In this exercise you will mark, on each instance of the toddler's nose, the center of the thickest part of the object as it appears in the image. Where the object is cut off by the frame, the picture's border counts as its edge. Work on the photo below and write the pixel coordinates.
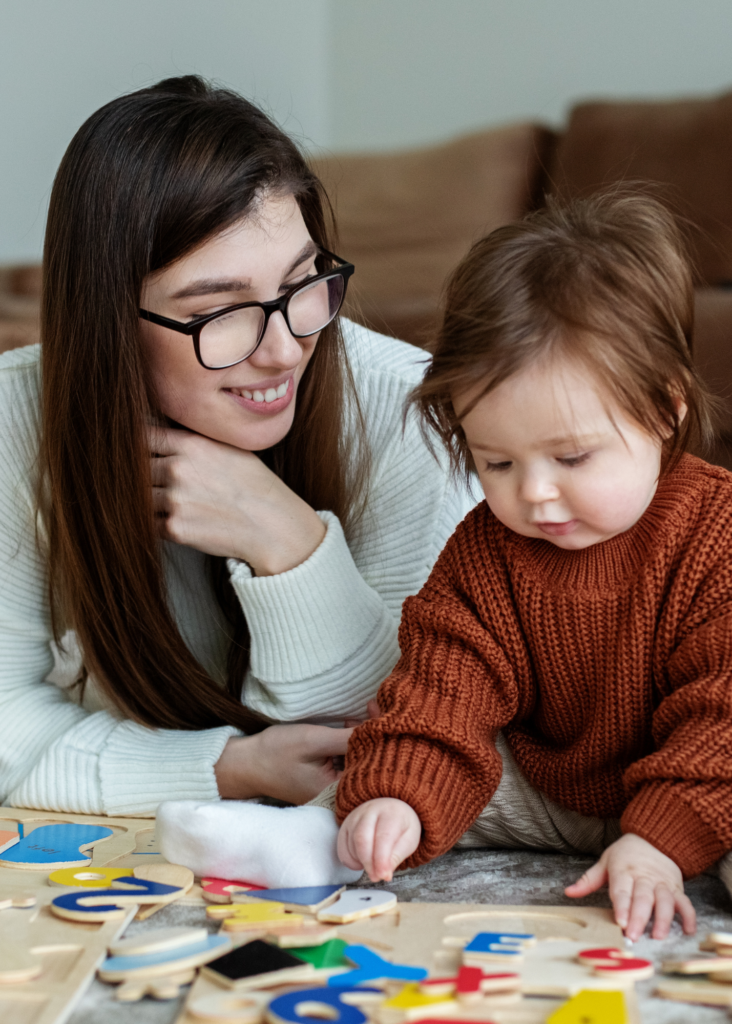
(536, 488)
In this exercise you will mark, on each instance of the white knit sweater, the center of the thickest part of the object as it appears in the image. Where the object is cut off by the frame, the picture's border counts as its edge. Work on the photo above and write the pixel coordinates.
(323, 635)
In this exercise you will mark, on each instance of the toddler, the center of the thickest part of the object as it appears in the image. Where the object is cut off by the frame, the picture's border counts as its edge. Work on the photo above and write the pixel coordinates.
(565, 679)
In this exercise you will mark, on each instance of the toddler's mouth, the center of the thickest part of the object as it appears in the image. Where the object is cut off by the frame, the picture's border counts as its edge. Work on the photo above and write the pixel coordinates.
(558, 529)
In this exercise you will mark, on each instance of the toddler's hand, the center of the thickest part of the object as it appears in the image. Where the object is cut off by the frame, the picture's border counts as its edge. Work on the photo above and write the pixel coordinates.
(378, 836)
(642, 881)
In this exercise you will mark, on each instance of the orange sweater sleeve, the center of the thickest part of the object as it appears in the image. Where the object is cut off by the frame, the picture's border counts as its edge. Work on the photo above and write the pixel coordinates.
(453, 688)
(681, 795)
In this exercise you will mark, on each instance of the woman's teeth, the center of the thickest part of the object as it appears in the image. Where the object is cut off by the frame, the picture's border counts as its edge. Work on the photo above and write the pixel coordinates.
(270, 395)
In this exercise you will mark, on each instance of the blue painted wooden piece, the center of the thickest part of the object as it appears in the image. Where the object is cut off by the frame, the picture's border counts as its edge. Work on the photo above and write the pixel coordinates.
(133, 963)
(57, 845)
(303, 896)
(285, 1007)
(508, 944)
(91, 901)
(370, 965)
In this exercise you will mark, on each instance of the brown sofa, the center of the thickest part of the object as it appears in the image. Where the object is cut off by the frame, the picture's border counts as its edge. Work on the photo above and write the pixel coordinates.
(406, 218)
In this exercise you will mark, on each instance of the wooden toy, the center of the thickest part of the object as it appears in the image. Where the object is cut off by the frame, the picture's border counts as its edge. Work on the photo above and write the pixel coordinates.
(54, 846)
(327, 955)
(496, 946)
(82, 878)
(700, 965)
(20, 900)
(110, 904)
(247, 917)
(164, 962)
(168, 874)
(689, 990)
(592, 1008)
(8, 838)
(18, 961)
(358, 903)
(370, 966)
(257, 965)
(307, 935)
(310, 899)
(167, 987)
(156, 941)
(220, 890)
(306, 1005)
(242, 1008)
(411, 1003)
(611, 963)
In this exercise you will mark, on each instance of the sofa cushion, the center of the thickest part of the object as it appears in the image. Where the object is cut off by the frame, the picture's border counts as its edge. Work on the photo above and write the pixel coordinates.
(685, 145)
(405, 219)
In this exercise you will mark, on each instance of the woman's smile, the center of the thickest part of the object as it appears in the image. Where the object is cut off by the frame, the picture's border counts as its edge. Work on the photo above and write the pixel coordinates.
(265, 398)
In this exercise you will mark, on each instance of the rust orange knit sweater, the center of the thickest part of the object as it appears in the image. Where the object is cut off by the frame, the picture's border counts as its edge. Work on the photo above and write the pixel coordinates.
(609, 671)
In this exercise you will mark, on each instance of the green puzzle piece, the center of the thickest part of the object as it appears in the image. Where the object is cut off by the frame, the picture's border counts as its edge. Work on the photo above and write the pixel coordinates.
(330, 954)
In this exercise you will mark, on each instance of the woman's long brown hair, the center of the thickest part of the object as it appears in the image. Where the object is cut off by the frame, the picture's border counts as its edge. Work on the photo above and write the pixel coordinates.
(147, 179)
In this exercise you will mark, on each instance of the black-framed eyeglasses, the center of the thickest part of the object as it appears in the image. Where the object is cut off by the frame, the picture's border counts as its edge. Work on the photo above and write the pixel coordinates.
(232, 335)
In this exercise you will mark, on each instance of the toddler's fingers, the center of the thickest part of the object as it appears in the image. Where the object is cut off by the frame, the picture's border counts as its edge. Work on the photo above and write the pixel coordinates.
(345, 853)
(621, 894)
(663, 913)
(593, 879)
(386, 840)
(685, 909)
(641, 908)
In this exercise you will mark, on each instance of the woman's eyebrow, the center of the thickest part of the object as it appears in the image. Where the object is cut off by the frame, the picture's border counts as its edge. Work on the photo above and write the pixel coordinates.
(307, 252)
(212, 286)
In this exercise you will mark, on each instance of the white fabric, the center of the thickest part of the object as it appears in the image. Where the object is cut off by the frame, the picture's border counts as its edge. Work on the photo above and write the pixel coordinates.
(269, 846)
(323, 635)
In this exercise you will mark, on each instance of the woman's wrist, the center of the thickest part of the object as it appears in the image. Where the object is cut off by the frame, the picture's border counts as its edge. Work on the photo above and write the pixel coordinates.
(236, 769)
(291, 548)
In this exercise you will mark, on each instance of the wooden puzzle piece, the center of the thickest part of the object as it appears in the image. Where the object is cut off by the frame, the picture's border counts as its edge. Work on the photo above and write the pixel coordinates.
(700, 965)
(315, 1004)
(54, 846)
(497, 946)
(592, 1008)
(307, 935)
(257, 965)
(370, 966)
(411, 1003)
(19, 900)
(18, 963)
(609, 963)
(357, 903)
(83, 878)
(157, 940)
(8, 839)
(689, 990)
(310, 898)
(328, 954)
(162, 963)
(242, 1008)
(247, 917)
(164, 988)
(110, 904)
(168, 874)
(220, 890)
(551, 968)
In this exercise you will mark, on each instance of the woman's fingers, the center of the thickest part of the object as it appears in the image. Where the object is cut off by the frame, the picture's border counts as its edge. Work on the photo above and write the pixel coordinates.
(164, 440)
(594, 878)
(323, 741)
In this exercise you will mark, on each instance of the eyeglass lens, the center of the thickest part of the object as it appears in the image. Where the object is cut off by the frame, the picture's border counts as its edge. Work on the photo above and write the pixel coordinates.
(232, 337)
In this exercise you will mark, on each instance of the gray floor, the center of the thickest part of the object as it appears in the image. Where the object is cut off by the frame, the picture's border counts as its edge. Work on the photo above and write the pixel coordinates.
(483, 877)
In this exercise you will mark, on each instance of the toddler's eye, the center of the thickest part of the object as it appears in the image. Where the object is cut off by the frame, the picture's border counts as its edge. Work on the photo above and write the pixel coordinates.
(497, 467)
(574, 460)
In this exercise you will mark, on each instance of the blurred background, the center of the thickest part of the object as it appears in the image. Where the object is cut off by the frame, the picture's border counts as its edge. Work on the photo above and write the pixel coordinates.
(430, 121)
(338, 74)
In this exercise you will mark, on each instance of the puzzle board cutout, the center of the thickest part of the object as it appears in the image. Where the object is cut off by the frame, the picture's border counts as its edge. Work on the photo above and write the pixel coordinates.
(69, 952)
(413, 933)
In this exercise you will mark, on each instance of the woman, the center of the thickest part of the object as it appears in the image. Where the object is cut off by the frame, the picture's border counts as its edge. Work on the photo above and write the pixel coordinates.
(204, 476)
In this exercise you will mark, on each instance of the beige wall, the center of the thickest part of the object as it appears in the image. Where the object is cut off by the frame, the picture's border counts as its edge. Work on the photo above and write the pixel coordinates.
(339, 74)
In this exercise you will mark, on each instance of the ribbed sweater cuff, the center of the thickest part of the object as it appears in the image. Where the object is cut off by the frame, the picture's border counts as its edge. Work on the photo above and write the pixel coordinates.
(446, 795)
(657, 815)
(310, 619)
(140, 767)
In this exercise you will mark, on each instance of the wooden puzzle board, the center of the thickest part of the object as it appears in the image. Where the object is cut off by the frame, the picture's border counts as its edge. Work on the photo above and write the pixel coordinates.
(413, 934)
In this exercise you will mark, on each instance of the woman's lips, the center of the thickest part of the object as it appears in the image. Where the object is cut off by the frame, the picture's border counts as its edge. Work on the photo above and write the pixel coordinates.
(558, 529)
(258, 404)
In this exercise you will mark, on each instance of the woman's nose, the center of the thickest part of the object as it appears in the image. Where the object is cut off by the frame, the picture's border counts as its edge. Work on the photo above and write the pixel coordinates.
(278, 348)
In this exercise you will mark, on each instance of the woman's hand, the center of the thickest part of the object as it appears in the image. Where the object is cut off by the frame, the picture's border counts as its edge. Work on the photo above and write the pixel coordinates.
(642, 882)
(225, 501)
(288, 762)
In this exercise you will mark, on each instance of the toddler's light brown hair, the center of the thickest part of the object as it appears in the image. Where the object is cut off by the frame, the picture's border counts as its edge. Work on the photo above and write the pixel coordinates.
(605, 281)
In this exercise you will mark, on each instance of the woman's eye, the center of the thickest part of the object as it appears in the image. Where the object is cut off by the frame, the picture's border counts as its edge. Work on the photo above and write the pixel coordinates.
(296, 284)
(574, 460)
(497, 467)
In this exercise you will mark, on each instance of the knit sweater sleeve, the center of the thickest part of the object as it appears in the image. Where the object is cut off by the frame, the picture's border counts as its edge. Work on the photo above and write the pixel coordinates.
(453, 688)
(681, 795)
